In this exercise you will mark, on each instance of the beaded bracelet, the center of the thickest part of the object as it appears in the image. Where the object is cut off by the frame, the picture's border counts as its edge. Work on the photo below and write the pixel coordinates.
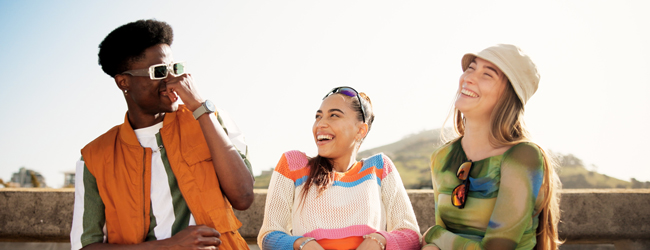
(305, 242)
(367, 236)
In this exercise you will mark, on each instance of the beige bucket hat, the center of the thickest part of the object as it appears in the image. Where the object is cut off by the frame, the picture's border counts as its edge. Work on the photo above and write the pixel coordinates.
(520, 70)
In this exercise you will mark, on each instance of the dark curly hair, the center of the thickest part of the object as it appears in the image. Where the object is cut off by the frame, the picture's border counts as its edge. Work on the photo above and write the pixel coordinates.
(127, 44)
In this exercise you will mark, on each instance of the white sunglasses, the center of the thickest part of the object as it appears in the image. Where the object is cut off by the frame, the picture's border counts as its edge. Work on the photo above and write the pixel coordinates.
(159, 71)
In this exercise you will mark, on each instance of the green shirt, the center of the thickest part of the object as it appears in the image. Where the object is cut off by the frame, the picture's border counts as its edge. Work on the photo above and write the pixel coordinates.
(503, 203)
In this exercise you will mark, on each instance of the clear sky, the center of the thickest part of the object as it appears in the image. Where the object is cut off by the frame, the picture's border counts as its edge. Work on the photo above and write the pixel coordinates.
(269, 63)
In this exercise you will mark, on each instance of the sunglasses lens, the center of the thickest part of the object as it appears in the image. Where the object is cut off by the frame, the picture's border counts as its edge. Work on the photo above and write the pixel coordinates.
(179, 68)
(459, 196)
(160, 72)
(463, 170)
(347, 91)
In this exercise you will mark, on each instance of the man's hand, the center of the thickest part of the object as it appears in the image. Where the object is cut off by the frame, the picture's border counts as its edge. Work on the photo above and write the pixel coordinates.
(235, 179)
(182, 87)
(193, 237)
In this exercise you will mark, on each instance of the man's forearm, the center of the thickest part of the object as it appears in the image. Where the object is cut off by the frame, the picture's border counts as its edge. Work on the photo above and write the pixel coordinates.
(105, 246)
(235, 179)
(192, 237)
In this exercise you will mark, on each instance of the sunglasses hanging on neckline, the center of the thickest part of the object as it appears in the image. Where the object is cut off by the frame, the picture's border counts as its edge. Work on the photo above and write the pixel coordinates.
(459, 195)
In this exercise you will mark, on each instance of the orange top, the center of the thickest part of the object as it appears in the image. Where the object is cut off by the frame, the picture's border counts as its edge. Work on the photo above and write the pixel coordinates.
(348, 243)
(123, 171)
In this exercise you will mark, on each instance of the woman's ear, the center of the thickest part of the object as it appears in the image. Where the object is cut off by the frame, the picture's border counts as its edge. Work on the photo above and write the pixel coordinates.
(363, 131)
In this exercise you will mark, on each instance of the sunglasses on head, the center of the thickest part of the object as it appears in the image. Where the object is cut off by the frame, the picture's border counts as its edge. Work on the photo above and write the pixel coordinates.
(159, 71)
(351, 93)
(459, 195)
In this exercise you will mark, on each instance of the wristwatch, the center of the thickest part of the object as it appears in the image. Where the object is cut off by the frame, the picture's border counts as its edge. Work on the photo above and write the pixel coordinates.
(206, 107)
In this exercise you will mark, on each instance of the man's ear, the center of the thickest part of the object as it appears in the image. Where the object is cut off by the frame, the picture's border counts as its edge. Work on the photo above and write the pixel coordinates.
(122, 82)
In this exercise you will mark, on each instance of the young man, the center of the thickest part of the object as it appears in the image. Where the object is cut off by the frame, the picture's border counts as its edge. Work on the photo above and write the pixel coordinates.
(147, 183)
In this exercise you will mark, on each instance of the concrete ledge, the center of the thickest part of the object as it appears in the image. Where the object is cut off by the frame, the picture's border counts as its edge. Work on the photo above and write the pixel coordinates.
(606, 216)
(614, 216)
(36, 214)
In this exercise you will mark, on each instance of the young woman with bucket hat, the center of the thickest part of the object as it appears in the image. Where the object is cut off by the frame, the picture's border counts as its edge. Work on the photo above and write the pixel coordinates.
(493, 187)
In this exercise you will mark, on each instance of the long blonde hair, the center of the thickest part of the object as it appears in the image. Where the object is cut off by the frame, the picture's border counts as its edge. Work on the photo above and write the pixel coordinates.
(507, 128)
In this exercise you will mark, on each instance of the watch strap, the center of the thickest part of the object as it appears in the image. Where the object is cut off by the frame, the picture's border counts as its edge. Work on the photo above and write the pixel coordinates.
(202, 110)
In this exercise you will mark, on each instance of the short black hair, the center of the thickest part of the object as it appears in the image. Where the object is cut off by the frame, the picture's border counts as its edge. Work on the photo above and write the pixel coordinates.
(127, 44)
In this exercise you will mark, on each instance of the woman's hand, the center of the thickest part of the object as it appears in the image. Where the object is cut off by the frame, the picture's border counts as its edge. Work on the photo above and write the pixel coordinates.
(311, 245)
(430, 247)
(370, 244)
(424, 242)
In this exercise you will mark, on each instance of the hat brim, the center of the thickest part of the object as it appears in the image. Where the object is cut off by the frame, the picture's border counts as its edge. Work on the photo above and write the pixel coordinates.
(467, 60)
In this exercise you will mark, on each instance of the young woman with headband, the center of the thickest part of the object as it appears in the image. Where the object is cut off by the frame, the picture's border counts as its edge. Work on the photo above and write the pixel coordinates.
(493, 187)
(331, 201)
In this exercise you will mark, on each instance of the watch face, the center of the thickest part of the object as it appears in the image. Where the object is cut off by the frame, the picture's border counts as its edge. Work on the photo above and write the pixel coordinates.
(210, 106)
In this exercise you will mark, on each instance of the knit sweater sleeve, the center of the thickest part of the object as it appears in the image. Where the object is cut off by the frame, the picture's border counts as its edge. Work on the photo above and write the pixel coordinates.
(402, 230)
(275, 232)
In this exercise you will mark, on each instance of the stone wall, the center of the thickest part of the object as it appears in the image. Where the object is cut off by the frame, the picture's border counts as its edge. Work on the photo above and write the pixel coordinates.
(604, 216)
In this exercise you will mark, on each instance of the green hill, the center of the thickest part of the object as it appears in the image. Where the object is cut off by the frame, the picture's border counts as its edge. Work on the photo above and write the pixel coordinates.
(411, 156)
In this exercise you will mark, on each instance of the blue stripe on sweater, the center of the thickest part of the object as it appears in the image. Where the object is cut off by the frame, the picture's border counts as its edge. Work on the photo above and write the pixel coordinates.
(376, 161)
(279, 240)
(344, 184)
(357, 182)
(301, 181)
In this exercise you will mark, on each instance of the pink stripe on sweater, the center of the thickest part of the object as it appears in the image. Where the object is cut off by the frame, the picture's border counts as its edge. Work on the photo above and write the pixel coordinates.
(388, 166)
(340, 233)
(296, 159)
(401, 239)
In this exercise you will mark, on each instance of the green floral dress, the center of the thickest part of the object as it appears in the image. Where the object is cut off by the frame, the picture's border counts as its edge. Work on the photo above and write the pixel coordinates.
(503, 203)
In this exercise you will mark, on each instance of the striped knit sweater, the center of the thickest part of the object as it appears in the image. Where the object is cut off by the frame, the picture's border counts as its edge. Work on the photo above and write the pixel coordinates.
(368, 198)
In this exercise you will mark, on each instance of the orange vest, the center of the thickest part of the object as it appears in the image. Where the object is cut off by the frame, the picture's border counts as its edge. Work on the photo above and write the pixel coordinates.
(122, 169)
